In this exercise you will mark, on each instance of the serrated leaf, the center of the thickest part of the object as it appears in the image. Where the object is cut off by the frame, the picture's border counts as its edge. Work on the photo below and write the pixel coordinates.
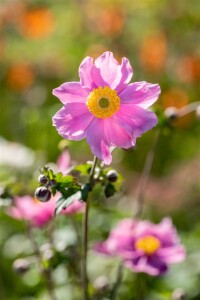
(63, 203)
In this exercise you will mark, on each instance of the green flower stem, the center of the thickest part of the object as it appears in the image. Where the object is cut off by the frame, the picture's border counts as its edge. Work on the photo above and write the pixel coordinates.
(144, 179)
(85, 235)
(46, 273)
(117, 283)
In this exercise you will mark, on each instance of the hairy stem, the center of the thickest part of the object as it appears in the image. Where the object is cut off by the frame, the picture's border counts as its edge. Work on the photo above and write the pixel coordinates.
(85, 235)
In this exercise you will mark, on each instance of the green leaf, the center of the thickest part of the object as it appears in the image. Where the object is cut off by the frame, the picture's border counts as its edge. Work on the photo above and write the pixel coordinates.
(109, 190)
(85, 190)
(63, 203)
(83, 169)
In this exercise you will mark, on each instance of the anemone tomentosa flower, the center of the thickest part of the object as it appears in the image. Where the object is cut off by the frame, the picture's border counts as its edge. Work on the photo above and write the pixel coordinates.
(144, 246)
(103, 107)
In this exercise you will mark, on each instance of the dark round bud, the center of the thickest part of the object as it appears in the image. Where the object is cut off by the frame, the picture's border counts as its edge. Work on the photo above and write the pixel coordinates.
(52, 182)
(42, 179)
(171, 113)
(21, 265)
(112, 176)
(42, 194)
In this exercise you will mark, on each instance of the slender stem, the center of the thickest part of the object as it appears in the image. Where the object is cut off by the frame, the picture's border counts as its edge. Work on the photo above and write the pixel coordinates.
(85, 235)
(45, 272)
(117, 283)
(139, 201)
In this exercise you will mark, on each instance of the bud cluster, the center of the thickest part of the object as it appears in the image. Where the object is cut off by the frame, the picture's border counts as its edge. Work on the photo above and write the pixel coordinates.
(42, 193)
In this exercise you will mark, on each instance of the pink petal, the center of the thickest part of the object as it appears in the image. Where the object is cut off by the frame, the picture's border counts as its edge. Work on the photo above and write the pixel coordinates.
(108, 72)
(70, 92)
(72, 121)
(139, 119)
(85, 73)
(98, 141)
(126, 73)
(142, 93)
(76, 207)
(116, 133)
(63, 161)
(173, 254)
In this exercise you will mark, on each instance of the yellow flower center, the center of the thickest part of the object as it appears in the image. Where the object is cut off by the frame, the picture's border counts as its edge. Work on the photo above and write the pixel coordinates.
(149, 244)
(103, 102)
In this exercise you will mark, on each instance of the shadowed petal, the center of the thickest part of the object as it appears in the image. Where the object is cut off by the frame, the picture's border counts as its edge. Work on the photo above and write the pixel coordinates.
(142, 93)
(98, 141)
(70, 92)
(72, 121)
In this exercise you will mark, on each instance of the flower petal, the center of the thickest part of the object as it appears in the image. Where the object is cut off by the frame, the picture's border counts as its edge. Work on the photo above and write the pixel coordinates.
(85, 73)
(108, 72)
(98, 141)
(150, 265)
(126, 74)
(70, 92)
(141, 93)
(72, 121)
(171, 255)
(116, 133)
(136, 118)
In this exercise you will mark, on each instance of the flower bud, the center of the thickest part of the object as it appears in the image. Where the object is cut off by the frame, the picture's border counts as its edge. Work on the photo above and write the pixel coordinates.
(52, 182)
(112, 176)
(42, 194)
(42, 179)
(21, 265)
(101, 283)
(178, 294)
(171, 113)
(198, 112)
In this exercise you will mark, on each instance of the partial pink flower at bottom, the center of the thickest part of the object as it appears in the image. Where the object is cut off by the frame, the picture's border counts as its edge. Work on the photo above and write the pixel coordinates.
(144, 246)
(38, 213)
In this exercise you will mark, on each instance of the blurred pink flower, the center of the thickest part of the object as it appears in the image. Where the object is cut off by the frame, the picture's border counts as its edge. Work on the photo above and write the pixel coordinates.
(143, 246)
(103, 107)
(39, 213)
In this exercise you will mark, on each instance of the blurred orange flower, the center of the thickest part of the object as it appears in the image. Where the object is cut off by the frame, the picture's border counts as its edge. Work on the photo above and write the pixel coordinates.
(153, 52)
(110, 21)
(188, 69)
(36, 23)
(20, 76)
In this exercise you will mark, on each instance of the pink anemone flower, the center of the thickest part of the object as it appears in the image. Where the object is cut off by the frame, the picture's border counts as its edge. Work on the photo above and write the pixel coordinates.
(143, 246)
(38, 213)
(103, 107)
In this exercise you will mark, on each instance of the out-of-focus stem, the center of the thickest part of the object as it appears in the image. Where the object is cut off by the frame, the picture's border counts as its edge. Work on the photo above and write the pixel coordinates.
(85, 235)
(45, 272)
(139, 201)
(117, 283)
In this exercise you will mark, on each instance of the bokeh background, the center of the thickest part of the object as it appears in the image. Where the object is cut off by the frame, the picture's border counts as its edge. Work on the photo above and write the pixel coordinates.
(41, 46)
